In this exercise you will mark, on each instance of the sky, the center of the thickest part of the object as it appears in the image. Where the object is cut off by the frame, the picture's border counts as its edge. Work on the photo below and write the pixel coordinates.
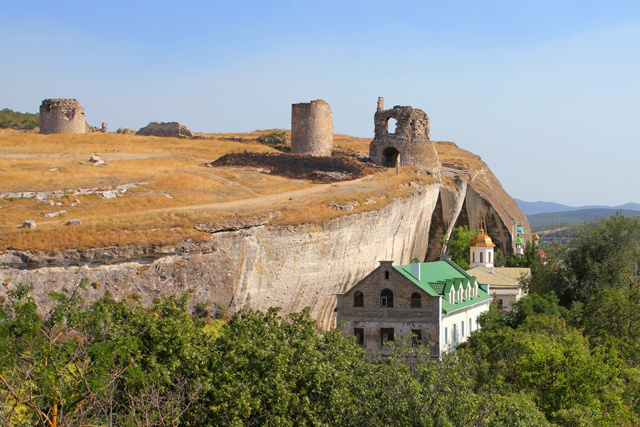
(546, 92)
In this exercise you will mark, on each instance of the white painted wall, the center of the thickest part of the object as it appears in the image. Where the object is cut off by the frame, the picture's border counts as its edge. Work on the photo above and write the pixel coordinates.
(456, 318)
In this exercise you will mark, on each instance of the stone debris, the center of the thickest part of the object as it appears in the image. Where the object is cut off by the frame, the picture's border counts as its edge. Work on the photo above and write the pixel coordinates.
(125, 131)
(58, 194)
(108, 194)
(174, 129)
(94, 159)
(100, 163)
(73, 222)
(54, 214)
(347, 207)
(28, 224)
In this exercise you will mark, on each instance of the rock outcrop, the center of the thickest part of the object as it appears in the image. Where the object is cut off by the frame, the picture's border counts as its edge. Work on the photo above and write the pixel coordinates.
(262, 266)
(174, 129)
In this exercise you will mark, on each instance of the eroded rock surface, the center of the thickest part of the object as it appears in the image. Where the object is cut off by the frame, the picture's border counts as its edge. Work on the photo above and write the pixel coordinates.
(260, 266)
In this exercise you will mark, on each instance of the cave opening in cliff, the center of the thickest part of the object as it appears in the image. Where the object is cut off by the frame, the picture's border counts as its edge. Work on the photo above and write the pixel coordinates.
(390, 157)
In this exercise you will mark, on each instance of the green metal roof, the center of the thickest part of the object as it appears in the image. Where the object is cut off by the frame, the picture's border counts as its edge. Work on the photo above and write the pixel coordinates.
(437, 279)
(520, 230)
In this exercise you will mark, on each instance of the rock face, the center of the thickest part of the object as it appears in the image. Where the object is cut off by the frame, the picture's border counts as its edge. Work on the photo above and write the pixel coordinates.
(311, 128)
(62, 116)
(174, 129)
(262, 266)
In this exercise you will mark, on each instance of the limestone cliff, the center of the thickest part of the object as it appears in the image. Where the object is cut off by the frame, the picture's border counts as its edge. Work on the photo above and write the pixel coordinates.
(292, 267)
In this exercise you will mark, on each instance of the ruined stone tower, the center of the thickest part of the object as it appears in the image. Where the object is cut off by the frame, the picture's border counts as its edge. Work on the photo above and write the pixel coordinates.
(311, 128)
(410, 144)
(62, 116)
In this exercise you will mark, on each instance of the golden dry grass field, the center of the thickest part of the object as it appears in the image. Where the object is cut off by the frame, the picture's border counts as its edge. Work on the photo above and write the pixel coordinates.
(177, 192)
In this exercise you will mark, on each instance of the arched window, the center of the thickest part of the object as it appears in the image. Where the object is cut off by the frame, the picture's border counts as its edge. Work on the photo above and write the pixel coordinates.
(386, 298)
(489, 256)
(416, 300)
(386, 275)
(358, 299)
(481, 257)
(473, 257)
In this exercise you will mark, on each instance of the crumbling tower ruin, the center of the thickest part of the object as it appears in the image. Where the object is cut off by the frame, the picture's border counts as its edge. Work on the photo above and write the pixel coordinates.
(409, 145)
(311, 128)
(62, 116)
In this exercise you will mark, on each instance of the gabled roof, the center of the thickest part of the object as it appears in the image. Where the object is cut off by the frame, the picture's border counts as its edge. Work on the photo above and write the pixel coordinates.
(437, 278)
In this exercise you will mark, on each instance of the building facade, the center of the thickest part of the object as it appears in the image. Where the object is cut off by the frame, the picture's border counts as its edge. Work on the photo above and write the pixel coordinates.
(434, 303)
(504, 282)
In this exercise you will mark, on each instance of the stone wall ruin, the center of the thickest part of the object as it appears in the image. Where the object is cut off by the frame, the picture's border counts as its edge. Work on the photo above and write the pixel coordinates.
(173, 129)
(409, 145)
(311, 128)
(62, 116)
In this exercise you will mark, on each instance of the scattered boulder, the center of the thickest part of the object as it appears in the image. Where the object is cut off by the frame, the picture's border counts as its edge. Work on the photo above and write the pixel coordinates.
(28, 224)
(54, 214)
(174, 129)
(125, 131)
(108, 194)
(94, 159)
(74, 222)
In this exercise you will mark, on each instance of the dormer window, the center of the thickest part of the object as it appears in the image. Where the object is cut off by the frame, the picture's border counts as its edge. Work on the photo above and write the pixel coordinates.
(451, 299)
(416, 300)
(386, 298)
(358, 299)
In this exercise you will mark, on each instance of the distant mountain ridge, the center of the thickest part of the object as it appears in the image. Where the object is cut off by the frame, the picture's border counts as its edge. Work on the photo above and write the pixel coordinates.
(530, 208)
(576, 216)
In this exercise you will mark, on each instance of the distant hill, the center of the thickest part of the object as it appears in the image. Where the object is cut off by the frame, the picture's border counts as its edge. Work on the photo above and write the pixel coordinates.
(10, 119)
(531, 208)
(576, 216)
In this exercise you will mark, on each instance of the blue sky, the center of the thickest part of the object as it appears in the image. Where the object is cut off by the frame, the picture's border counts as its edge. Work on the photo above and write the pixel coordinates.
(546, 92)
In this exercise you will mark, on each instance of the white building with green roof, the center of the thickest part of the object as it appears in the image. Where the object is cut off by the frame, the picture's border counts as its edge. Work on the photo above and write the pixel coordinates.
(418, 303)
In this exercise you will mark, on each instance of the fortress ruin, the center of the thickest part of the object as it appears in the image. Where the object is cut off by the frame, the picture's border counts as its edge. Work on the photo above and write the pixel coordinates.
(62, 116)
(409, 144)
(311, 128)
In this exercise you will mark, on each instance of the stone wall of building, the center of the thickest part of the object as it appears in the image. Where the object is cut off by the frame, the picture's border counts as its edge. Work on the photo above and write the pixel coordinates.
(173, 129)
(62, 116)
(401, 317)
(409, 145)
(311, 128)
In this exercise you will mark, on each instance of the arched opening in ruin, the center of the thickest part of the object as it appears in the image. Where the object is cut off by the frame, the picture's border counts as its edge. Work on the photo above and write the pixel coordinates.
(391, 125)
(390, 157)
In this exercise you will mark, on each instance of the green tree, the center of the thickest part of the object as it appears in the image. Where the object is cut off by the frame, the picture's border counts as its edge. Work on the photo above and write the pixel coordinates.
(458, 245)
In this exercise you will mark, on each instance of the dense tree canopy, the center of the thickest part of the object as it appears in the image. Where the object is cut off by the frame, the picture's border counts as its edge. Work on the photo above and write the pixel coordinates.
(568, 354)
(18, 120)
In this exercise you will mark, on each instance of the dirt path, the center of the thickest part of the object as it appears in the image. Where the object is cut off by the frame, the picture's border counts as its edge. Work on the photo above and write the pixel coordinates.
(271, 198)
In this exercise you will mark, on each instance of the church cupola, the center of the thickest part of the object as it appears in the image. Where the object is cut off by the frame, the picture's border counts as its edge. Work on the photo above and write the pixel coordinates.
(481, 249)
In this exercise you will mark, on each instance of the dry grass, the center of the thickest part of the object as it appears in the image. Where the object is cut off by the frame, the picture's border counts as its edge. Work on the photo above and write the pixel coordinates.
(171, 166)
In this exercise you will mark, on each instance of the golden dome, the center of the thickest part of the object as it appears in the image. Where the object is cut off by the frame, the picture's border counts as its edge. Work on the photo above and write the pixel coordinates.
(482, 241)
(536, 237)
